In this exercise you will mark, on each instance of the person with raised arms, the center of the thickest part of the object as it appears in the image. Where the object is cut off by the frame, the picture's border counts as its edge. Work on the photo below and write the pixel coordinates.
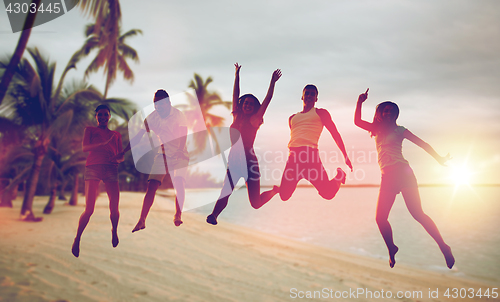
(248, 115)
(397, 175)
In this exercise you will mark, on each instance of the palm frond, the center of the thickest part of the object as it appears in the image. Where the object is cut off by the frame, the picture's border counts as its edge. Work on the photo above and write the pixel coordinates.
(213, 120)
(121, 107)
(89, 29)
(45, 70)
(130, 33)
(93, 67)
(127, 72)
(128, 52)
(60, 125)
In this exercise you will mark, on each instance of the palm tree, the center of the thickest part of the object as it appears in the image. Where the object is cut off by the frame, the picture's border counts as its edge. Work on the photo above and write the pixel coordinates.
(99, 9)
(51, 118)
(205, 100)
(107, 14)
(112, 55)
(45, 116)
(18, 53)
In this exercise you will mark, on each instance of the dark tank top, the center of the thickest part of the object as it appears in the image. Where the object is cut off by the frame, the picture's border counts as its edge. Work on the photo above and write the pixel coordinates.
(246, 130)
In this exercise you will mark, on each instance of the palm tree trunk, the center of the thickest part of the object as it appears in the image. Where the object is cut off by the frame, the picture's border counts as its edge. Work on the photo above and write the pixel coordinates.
(53, 191)
(73, 201)
(4, 184)
(61, 191)
(7, 198)
(29, 193)
(52, 201)
(18, 53)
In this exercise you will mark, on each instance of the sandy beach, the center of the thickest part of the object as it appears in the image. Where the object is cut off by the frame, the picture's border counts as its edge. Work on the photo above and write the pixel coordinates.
(193, 262)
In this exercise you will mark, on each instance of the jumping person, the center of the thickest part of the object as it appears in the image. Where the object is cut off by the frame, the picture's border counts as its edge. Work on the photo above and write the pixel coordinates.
(104, 146)
(397, 176)
(303, 159)
(248, 115)
(170, 125)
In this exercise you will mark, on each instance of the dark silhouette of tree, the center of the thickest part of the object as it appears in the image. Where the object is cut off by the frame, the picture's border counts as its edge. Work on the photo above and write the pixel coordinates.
(18, 52)
(107, 13)
(44, 115)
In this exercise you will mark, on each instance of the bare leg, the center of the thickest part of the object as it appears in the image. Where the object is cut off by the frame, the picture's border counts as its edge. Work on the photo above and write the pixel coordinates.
(180, 196)
(384, 205)
(414, 205)
(328, 188)
(257, 199)
(90, 197)
(288, 184)
(146, 205)
(113, 190)
(221, 203)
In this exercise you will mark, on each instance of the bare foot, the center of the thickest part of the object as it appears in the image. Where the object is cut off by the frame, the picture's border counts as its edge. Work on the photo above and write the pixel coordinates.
(392, 256)
(177, 220)
(340, 176)
(448, 256)
(75, 249)
(276, 189)
(114, 239)
(141, 225)
(211, 219)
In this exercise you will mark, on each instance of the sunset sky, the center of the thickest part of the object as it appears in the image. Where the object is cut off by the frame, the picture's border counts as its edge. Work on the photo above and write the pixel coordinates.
(439, 61)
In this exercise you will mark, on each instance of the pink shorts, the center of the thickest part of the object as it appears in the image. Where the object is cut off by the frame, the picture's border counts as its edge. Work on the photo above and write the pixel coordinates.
(397, 177)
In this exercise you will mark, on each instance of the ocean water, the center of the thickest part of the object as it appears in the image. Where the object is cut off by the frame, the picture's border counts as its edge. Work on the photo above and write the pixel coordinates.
(467, 217)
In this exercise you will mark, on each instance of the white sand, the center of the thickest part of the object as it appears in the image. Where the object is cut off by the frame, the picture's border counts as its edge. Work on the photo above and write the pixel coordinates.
(193, 262)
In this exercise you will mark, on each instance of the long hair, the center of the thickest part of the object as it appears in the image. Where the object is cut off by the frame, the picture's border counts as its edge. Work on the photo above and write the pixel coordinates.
(378, 123)
(238, 113)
